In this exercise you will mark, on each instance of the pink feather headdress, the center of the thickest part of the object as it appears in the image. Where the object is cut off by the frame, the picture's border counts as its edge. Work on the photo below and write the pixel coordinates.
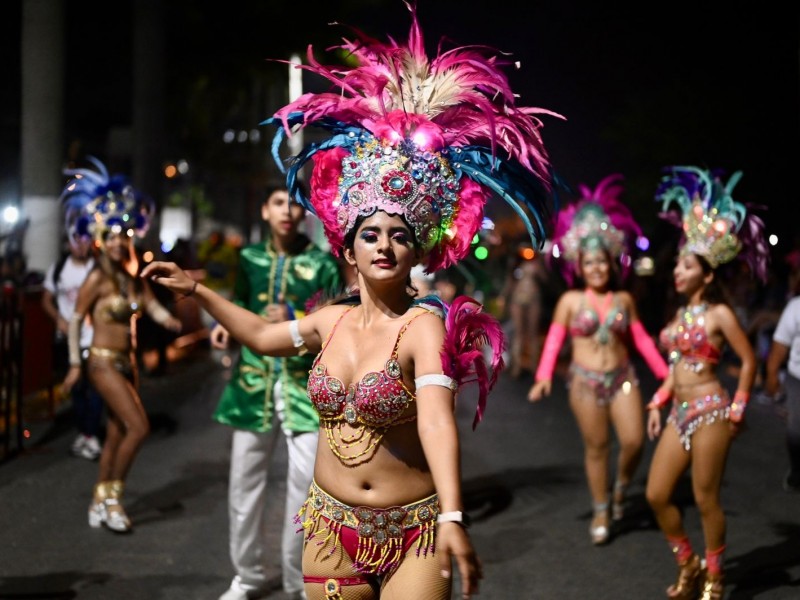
(599, 220)
(430, 140)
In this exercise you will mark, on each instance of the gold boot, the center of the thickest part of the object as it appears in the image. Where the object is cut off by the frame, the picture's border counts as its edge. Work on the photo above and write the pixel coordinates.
(116, 519)
(97, 509)
(712, 588)
(688, 580)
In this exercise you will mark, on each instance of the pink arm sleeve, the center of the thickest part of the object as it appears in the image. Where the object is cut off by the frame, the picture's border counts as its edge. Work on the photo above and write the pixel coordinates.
(647, 348)
(660, 398)
(552, 346)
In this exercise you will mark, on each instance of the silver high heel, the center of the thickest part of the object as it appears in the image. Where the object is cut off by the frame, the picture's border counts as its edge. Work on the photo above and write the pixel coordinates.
(116, 518)
(97, 509)
(600, 533)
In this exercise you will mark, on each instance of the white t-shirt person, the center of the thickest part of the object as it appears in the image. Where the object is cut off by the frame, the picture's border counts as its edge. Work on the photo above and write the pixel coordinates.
(65, 291)
(788, 333)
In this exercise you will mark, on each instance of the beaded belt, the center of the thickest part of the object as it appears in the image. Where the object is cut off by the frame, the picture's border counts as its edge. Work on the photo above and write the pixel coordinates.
(381, 531)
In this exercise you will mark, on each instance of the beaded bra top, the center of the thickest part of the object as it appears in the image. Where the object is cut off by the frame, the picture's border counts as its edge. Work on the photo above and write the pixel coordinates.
(590, 321)
(688, 339)
(369, 407)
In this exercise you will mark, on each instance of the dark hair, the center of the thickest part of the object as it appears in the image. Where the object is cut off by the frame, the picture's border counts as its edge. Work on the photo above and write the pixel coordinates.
(281, 187)
(613, 272)
(714, 292)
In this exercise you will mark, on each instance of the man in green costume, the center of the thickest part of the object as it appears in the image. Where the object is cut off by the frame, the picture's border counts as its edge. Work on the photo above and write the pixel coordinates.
(275, 279)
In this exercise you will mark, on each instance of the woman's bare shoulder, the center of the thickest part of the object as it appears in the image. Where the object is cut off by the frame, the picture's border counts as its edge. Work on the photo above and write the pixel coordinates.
(424, 326)
(723, 314)
(571, 298)
(625, 298)
(328, 315)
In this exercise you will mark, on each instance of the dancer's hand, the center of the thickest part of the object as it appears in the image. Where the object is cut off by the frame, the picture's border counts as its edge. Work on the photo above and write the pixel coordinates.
(453, 542)
(653, 423)
(73, 375)
(219, 337)
(277, 312)
(539, 390)
(171, 276)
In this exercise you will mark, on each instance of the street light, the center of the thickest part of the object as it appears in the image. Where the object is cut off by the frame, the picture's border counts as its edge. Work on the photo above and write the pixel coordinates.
(10, 214)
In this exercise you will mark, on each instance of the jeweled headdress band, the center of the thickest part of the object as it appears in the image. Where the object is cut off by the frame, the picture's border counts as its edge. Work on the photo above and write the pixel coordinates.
(599, 220)
(430, 140)
(714, 225)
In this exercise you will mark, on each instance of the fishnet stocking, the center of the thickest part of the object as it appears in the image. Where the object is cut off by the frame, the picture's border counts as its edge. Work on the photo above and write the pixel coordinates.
(417, 577)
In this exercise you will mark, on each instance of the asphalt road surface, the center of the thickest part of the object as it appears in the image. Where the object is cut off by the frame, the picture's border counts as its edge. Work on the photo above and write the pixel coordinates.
(523, 481)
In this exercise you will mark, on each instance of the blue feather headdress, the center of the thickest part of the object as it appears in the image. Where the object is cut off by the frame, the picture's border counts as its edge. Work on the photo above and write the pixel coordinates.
(95, 203)
(430, 140)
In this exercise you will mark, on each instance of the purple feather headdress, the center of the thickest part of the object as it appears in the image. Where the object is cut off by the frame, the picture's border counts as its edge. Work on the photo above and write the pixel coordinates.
(430, 140)
(714, 225)
(599, 220)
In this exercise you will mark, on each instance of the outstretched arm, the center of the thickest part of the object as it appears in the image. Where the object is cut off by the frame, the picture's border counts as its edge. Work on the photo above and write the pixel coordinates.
(273, 339)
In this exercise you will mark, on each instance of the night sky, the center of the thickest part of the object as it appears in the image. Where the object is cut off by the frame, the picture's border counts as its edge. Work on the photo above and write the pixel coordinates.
(641, 87)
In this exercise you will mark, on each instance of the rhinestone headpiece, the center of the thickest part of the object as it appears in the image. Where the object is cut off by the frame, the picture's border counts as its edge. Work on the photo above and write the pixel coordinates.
(599, 220)
(430, 140)
(714, 225)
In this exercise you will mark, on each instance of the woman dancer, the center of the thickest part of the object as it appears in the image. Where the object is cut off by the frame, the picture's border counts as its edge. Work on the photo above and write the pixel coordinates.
(703, 419)
(592, 236)
(403, 179)
(107, 210)
(522, 294)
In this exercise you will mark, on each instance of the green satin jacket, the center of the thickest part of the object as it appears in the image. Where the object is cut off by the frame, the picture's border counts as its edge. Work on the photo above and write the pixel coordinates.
(247, 401)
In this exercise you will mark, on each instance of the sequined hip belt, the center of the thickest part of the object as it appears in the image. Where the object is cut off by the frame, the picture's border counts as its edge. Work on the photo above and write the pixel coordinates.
(381, 535)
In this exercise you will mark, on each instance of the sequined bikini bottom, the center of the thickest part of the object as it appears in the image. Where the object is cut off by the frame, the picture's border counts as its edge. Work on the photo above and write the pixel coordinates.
(603, 384)
(689, 415)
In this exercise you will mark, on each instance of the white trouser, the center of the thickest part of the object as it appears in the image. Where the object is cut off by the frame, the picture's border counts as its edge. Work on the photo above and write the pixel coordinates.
(251, 453)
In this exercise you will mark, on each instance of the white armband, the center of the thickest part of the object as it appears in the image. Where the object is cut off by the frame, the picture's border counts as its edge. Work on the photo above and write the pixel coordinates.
(297, 339)
(435, 379)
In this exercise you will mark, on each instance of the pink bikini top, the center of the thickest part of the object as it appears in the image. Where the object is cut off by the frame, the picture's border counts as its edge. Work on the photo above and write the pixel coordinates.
(378, 400)
(688, 339)
(587, 321)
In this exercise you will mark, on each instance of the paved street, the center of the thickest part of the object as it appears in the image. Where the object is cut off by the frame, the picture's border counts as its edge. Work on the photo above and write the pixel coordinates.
(524, 486)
